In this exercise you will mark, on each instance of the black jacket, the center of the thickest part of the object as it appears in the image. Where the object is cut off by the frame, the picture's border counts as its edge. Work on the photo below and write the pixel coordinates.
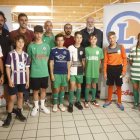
(85, 34)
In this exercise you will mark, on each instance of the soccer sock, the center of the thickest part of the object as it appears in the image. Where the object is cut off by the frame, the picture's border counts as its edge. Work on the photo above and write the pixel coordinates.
(61, 97)
(9, 115)
(110, 91)
(19, 110)
(86, 93)
(78, 94)
(71, 94)
(55, 97)
(119, 93)
(36, 104)
(93, 93)
(42, 103)
(136, 96)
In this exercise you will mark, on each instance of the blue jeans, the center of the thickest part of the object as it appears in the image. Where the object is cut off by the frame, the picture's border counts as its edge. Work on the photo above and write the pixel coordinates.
(27, 94)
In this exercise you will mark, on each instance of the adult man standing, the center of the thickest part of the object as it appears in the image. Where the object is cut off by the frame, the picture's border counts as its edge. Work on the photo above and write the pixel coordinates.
(90, 28)
(49, 38)
(69, 40)
(23, 21)
(5, 46)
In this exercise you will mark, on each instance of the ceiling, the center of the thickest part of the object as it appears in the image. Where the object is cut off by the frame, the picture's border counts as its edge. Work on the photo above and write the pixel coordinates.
(60, 12)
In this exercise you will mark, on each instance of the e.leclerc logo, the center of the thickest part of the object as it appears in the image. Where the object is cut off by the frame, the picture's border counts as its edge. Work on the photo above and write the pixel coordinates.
(127, 26)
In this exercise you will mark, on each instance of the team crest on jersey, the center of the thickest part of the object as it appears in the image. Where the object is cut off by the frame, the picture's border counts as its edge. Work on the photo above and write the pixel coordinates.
(81, 52)
(20, 65)
(97, 52)
(44, 48)
(64, 52)
(119, 51)
(60, 57)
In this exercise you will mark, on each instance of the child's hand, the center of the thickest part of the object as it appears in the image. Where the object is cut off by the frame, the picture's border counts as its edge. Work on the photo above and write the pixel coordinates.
(11, 84)
(105, 76)
(123, 74)
(68, 77)
(52, 78)
(27, 85)
(2, 80)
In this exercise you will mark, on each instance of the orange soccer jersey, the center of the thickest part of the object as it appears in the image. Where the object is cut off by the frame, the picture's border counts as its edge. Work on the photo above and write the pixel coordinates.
(115, 56)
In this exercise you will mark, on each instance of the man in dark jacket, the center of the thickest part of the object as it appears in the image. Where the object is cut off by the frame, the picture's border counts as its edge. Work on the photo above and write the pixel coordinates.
(85, 43)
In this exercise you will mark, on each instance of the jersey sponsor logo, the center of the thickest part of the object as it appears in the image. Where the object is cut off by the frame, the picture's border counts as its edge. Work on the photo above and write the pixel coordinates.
(60, 57)
(76, 64)
(64, 52)
(56, 52)
(119, 51)
(81, 52)
(92, 58)
(40, 56)
(44, 48)
(97, 52)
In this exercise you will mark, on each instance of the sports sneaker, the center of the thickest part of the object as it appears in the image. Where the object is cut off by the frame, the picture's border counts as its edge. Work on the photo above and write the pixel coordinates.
(95, 103)
(78, 105)
(7, 122)
(86, 104)
(107, 103)
(45, 110)
(120, 106)
(135, 107)
(62, 108)
(55, 108)
(70, 108)
(20, 117)
(28, 103)
(34, 111)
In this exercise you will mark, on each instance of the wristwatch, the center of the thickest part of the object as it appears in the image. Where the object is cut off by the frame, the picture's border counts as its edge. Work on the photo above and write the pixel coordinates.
(2, 73)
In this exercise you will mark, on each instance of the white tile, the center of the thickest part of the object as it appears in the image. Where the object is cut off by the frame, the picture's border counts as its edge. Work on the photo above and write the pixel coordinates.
(15, 134)
(127, 135)
(112, 115)
(43, 125)
(79, 117)
(29, 134)
(133, 114)
(42, 138)
(114, 136)
(133, 126)
(77, 112)
(70, 131)
(4, 135)
(83, 130)
(87, 112)
(57, 132)
(96, 129)
(101, 116)
(101, 136)
(123, 115)
(67, 118)
(108, 110)
(98, 111)
(56, 118)
(32, 120)
(137, 134)
(109, 128)
(81, 123)
(57, 138)
(56, 125)
(90, 117)
(121, 127)
(127, 120)
(116, 121)
(86, 136)
(105, 122)
(43, 133)
(93, 122)
(69, 124)
(136, 119)
(18, 127)
(72, 137)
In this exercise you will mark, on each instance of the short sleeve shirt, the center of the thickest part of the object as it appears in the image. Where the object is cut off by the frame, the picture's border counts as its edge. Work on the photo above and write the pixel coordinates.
(76, 55)
(60, 57)
(38, 54)
(1, 54)
(93, 57)
(18, 63)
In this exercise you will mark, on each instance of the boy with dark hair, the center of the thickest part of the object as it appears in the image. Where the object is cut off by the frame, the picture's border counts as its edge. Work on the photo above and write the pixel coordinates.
(77, 55)
(17, 69)
(94, 54)
(60, 71)
(115, 63)
(38, 55)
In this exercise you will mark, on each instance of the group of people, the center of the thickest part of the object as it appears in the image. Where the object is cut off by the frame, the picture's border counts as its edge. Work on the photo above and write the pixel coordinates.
(67, 59)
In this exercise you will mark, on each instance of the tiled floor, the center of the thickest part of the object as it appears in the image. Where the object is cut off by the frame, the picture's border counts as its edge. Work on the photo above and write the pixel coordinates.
(89, 124)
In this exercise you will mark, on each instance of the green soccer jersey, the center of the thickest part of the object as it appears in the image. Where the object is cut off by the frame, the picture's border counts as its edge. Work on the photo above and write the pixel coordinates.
(49, 40)
(38, 54)
(93, 56)
(135, 68)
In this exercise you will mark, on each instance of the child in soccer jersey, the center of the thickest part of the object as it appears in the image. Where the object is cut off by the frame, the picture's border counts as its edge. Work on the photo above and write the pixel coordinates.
(94, 54)
(38, 57)
(17, 69)
(115, 63)
(134, 60)
(77, 55)
(60, 71)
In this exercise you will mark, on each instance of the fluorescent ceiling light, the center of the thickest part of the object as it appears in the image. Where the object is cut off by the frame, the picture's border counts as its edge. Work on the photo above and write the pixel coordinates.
(39, 17)
(32, 9)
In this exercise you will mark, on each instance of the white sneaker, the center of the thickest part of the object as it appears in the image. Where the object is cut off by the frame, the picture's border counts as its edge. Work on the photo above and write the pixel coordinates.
(34, 111)
(28, 103)
(45, 110)
(55, 108)
(62, 108)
